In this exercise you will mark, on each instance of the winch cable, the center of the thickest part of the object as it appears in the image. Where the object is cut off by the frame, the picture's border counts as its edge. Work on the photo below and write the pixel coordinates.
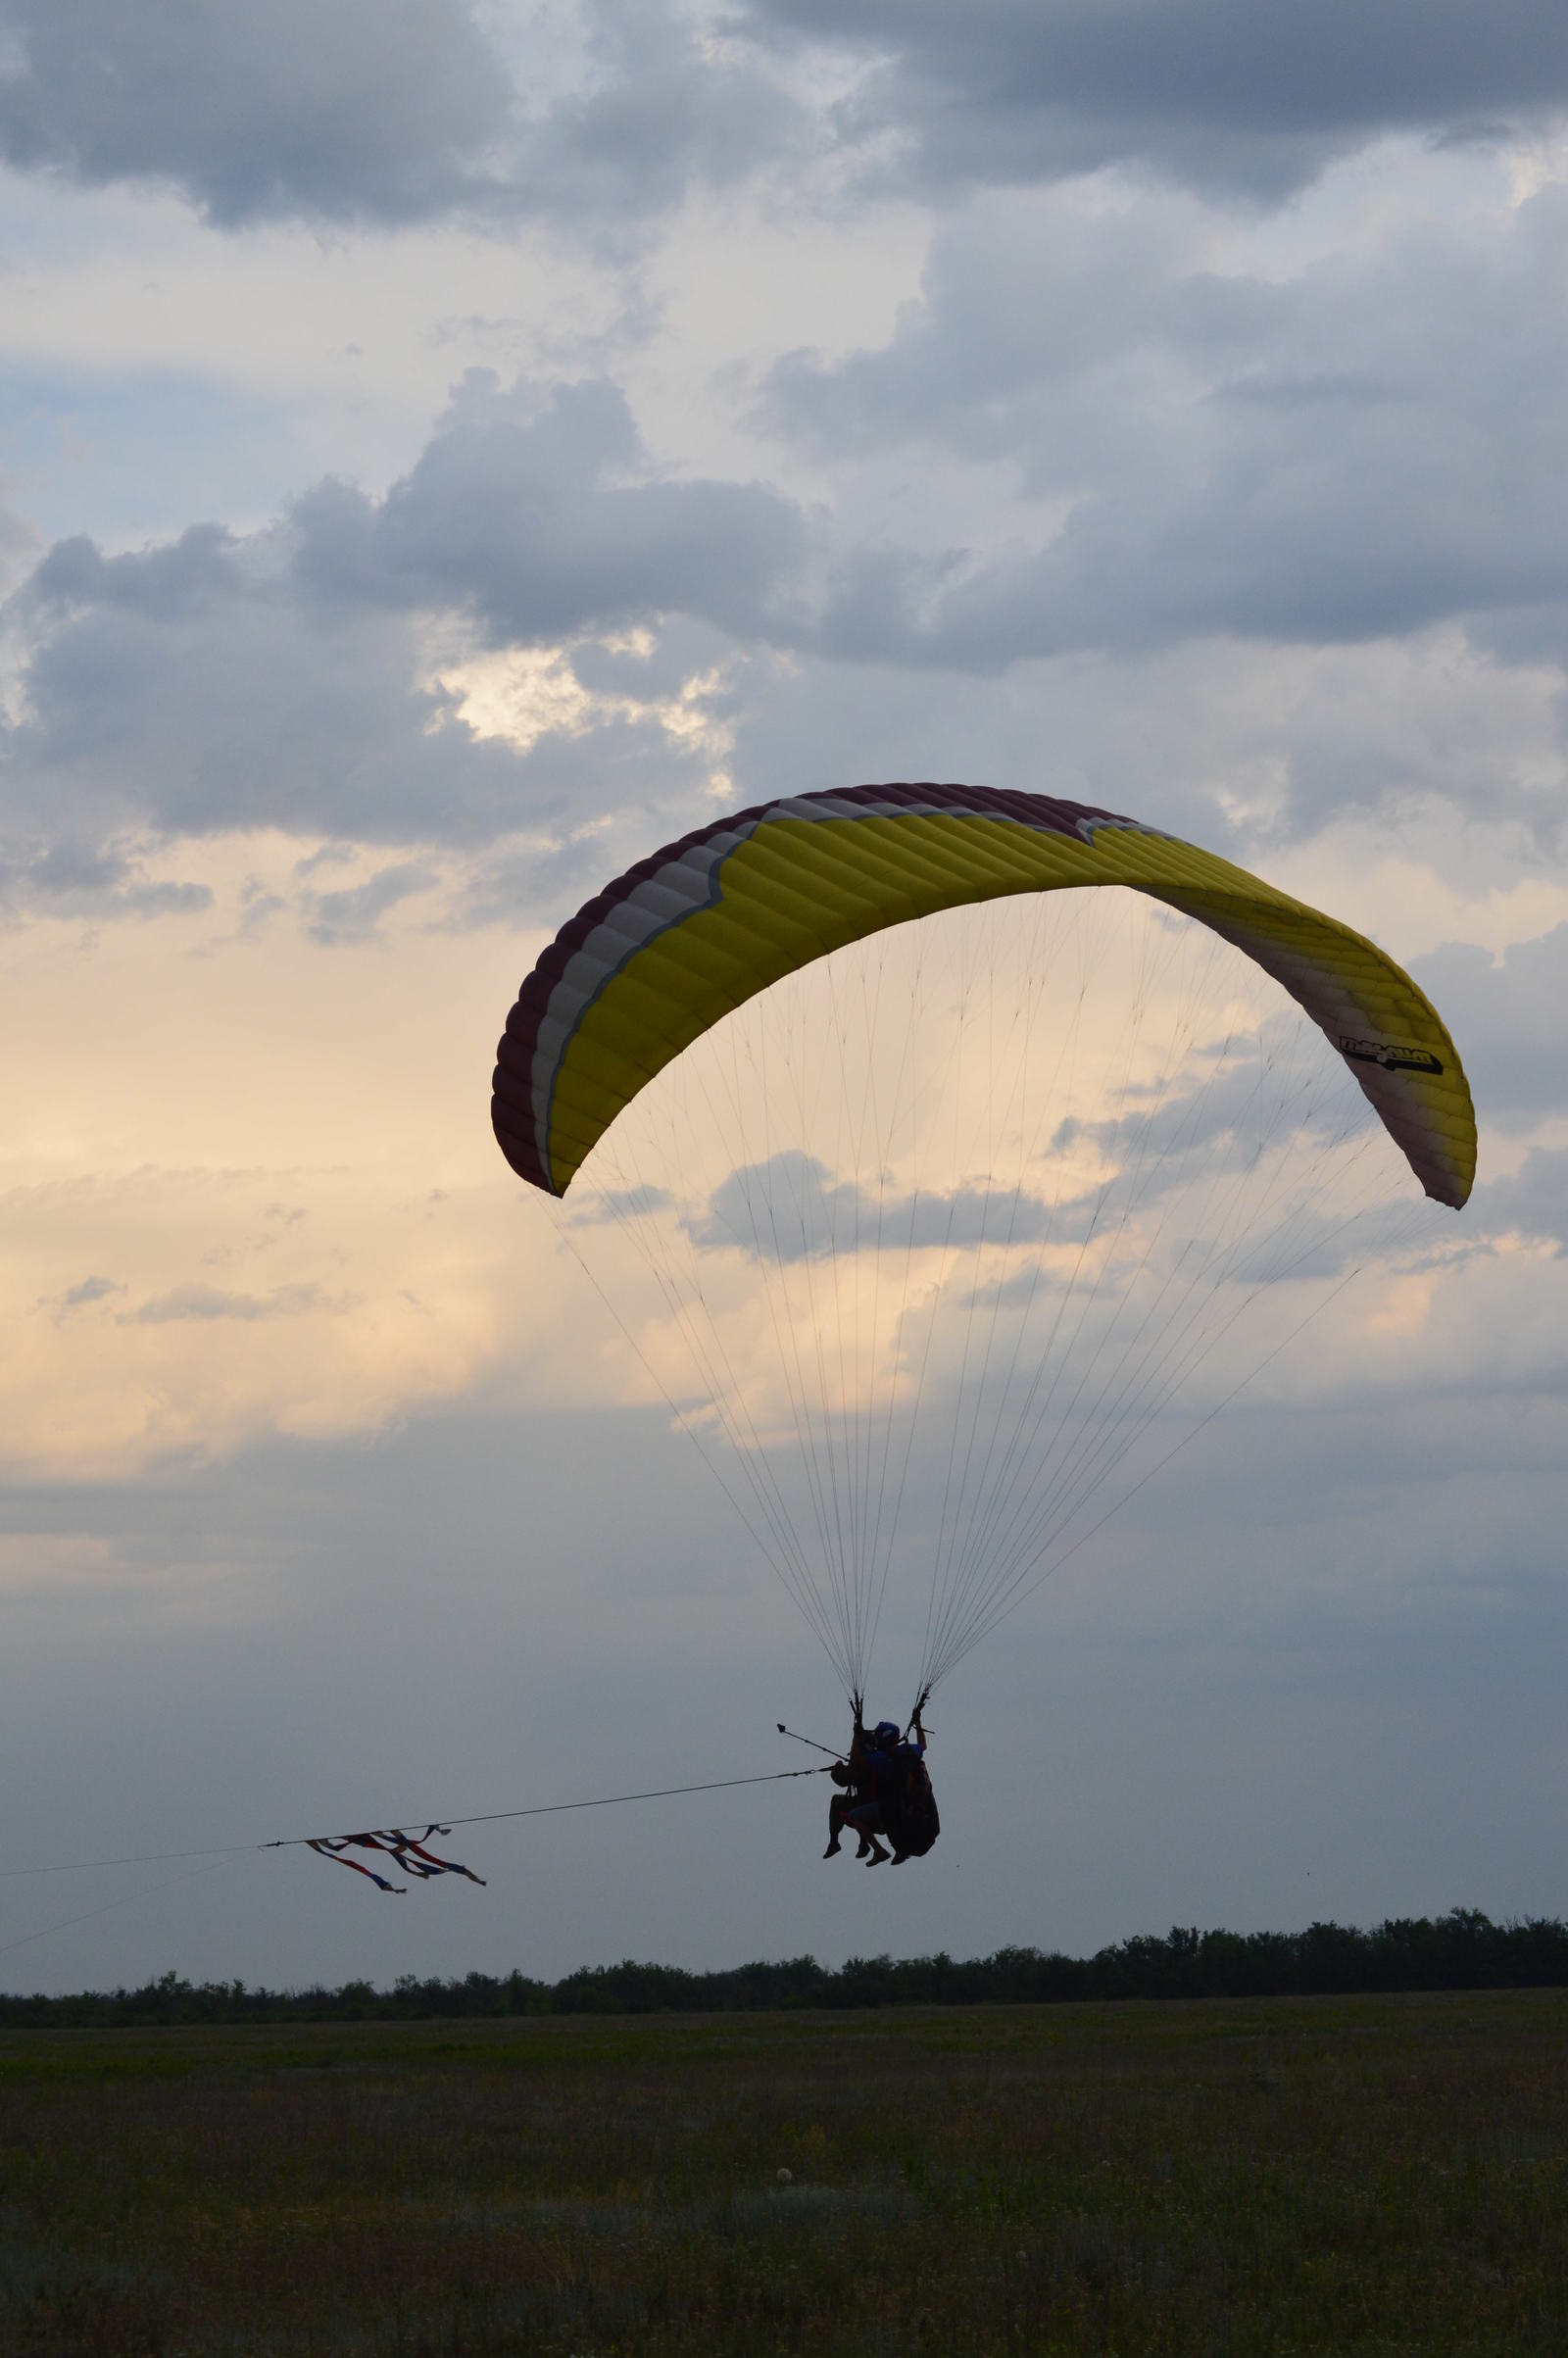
(487, 1817)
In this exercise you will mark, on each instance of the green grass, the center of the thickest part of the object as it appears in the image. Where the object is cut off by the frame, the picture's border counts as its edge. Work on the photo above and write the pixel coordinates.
(1332, 2174)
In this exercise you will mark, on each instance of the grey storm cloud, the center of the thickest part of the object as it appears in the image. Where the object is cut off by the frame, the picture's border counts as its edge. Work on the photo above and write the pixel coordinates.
(353, 111)
(255, 708)
(669, 103)
(79, 1297)
(1280, 1104)
(1531, 1203)
(267, 709)
(1248, 97)
(603, 117)
(1506, 1018)
(619, 1204)
(791, 1208)
(336, 109)
(72, 869)
(1366, 450)
(1283, 1091)
(281, 679)
(76, 879)
(162, 583)
(537, 513)
(1012, 312)
(351, 913)
(185, 1303)
(164, 900)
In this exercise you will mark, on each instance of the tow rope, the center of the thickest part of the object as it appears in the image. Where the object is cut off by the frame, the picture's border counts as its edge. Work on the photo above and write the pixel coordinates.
(407, 1853)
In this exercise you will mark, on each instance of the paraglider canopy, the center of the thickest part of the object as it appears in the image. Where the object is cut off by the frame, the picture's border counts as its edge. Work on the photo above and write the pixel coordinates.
(939, 1224)
(691, 933)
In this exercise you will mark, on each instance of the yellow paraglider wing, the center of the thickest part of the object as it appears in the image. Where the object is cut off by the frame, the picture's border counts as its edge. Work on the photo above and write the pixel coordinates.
(697, 929)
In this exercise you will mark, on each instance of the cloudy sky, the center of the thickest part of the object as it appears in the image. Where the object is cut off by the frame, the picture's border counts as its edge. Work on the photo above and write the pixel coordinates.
(447, 449)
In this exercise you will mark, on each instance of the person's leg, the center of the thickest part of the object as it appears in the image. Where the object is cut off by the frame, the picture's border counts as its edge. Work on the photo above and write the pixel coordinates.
(841, 1813)
(867, 1823)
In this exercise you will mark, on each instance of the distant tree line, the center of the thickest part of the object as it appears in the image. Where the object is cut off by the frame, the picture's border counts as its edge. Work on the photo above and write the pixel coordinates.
(1462, 1950)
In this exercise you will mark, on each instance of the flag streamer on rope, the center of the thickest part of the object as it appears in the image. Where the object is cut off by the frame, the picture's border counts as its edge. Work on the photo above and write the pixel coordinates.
(407, 1851)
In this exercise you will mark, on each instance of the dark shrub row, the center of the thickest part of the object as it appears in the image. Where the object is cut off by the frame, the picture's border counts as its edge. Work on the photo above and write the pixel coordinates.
(1462, 1950)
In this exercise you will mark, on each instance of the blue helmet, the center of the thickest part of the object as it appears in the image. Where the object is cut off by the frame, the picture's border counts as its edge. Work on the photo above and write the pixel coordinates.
(885, 1734)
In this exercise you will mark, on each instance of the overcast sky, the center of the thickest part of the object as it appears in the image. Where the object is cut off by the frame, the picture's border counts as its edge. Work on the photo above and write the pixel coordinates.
(446, 450)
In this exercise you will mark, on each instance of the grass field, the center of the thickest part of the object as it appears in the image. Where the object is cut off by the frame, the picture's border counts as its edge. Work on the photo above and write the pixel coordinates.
(1334, 2175)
